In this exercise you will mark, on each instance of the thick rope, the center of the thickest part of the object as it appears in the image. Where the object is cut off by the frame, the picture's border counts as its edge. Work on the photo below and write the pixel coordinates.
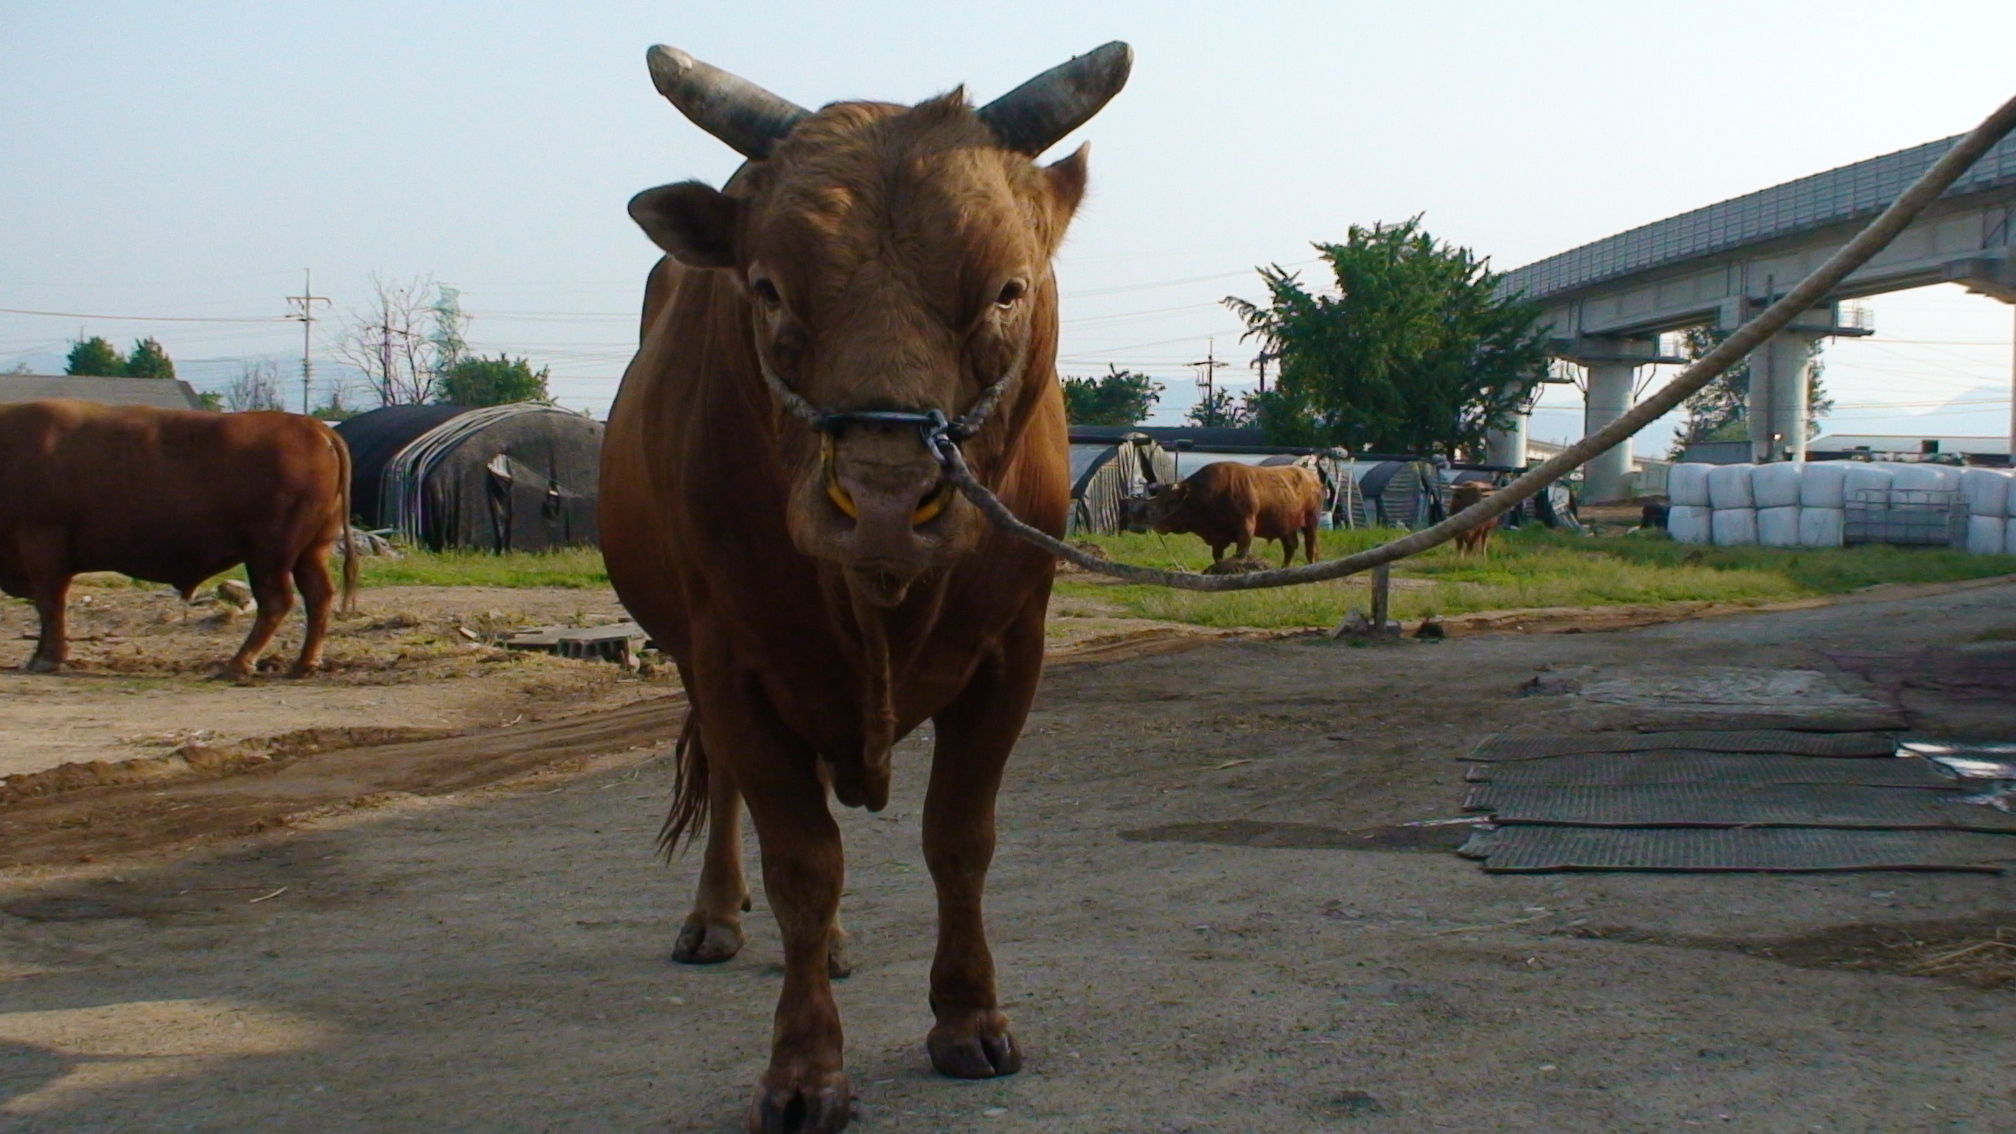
(1809, 292)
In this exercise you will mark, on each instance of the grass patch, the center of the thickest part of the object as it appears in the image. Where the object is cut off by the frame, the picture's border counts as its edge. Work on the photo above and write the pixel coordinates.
(576, 567)
(1528, 569)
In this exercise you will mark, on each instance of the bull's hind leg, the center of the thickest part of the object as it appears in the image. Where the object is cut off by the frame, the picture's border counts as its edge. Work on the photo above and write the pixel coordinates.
(713, 930)
(970, 1039)
(318, 593)
(41, 556)
(271, 589)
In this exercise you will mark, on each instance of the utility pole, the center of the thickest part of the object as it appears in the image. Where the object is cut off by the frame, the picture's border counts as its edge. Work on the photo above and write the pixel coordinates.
(1208, 368)
(305, 304)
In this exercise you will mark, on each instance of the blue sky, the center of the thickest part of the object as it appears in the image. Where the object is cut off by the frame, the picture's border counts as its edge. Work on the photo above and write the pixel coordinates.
(189, 159)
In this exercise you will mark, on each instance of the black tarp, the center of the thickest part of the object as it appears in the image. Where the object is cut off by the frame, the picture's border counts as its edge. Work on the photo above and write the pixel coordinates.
(499, 478)
(374, 439)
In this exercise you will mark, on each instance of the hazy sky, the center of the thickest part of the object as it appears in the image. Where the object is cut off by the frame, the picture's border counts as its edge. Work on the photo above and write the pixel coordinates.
(189, 159)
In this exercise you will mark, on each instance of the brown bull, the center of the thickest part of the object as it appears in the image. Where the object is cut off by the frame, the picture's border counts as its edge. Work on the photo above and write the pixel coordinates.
(1228, 504)
(1476, 541)
(821, 587)
(176, 497)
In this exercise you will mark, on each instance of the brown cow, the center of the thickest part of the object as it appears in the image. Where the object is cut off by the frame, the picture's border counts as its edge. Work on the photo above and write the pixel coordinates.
(176, 497)
(1476, 541)
(821, 587)
(1228, 504)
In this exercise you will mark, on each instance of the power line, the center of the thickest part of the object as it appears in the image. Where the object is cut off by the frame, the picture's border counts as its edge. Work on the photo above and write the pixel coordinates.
(306, 302)
(145, 318)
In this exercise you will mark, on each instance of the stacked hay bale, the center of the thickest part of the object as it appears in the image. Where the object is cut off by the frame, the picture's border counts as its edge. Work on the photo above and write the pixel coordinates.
(1807, 504)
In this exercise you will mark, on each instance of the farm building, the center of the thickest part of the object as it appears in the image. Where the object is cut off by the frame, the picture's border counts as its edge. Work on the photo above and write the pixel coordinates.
(161, 393)
(501, 478)
(1106, 471)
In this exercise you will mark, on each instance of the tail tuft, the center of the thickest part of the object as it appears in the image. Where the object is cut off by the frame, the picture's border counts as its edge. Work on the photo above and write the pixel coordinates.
(688, 817)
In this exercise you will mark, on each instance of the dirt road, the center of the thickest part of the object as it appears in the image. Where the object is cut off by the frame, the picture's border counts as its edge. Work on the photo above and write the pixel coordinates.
(1204, 913)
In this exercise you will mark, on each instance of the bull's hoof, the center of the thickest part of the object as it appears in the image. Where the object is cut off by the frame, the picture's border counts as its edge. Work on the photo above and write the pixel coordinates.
(701, 943)
(977, 1046)
(809, 1102)
(299, 671)
(42, 665)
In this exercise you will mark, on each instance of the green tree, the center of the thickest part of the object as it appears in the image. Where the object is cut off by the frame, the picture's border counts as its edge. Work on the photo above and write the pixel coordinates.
(1220, 409)
(1119, 397)
(94, 358)
(149, 360)
(1720, 411)
(479, 381)
(1415, 352)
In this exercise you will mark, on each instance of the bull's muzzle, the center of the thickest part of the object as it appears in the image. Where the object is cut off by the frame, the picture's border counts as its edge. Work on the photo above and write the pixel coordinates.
(927, 509)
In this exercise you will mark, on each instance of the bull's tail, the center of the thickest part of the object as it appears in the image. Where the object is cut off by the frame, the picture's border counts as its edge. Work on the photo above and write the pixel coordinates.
(690, 797)
(349, 531)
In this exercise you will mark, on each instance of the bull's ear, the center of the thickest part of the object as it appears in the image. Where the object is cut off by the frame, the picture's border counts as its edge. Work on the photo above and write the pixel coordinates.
(1067, 179)
(695, 222)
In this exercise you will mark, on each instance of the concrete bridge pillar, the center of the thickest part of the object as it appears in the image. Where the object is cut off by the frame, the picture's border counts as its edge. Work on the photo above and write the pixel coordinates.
(1508, 446)
(1612, 364)
(1778, 412)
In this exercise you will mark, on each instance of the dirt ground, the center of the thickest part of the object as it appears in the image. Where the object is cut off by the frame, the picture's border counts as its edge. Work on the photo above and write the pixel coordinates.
(1206, 914)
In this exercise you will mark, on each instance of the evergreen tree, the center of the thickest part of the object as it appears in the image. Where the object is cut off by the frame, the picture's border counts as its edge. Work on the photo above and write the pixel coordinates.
(94, 358)
(148, 360)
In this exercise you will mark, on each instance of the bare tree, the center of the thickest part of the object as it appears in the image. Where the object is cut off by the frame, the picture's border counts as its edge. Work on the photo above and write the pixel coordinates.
(398, 342)
(256, 387)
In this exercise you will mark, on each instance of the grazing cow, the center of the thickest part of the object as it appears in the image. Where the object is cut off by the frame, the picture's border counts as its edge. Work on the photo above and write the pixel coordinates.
(176, 497)
(1228, 504)
(772, 513)
(1476, 541)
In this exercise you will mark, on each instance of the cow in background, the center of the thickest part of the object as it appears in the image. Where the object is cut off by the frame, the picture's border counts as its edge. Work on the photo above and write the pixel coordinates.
(1476, 541)
(1228, 504)
(176, 497)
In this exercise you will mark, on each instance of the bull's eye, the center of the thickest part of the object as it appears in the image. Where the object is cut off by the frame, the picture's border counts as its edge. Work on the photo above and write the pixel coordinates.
(1011, 294)
(766, 291)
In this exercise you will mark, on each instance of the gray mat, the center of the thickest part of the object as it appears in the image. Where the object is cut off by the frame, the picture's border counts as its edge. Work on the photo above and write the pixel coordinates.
(1727, 768)
(1791, 849)
(1498, 746)
(1770, 805)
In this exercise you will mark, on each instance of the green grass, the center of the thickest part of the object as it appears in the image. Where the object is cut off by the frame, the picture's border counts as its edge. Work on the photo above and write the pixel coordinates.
(1526, 570)
(570, 567)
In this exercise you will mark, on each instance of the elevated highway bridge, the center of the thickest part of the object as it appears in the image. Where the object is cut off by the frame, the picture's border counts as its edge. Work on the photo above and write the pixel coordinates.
(1609, 301)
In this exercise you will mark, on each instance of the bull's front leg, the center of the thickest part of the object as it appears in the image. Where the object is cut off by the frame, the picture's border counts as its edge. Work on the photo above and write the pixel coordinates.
(970, 1039)
(805, 1090)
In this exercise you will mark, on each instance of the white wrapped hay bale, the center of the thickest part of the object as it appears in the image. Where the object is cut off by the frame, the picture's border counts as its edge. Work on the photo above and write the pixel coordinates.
(1776, 485)
(1925, 478)
(1824, 484)
(2009, 538)
(1687, 485)
(1778, 527)
(1986, 490)
(1987, 535)
(1867, 478)
(1688, 523)
(1733, 527)
(1729, 487)
(1822, 527)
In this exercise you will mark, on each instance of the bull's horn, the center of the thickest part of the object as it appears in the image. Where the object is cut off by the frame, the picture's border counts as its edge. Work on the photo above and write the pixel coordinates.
(1032, 117)
(733, 109)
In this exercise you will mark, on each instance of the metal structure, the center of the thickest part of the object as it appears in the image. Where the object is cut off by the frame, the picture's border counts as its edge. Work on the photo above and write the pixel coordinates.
(1608, 301)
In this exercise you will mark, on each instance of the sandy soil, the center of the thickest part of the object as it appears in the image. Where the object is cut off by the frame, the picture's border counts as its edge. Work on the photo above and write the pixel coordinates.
(1206, 916)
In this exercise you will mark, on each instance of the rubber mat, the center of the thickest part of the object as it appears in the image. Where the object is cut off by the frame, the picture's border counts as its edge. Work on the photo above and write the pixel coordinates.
(1770, 849)
(1709, 805)
(1498, 747)
(1727, 768)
